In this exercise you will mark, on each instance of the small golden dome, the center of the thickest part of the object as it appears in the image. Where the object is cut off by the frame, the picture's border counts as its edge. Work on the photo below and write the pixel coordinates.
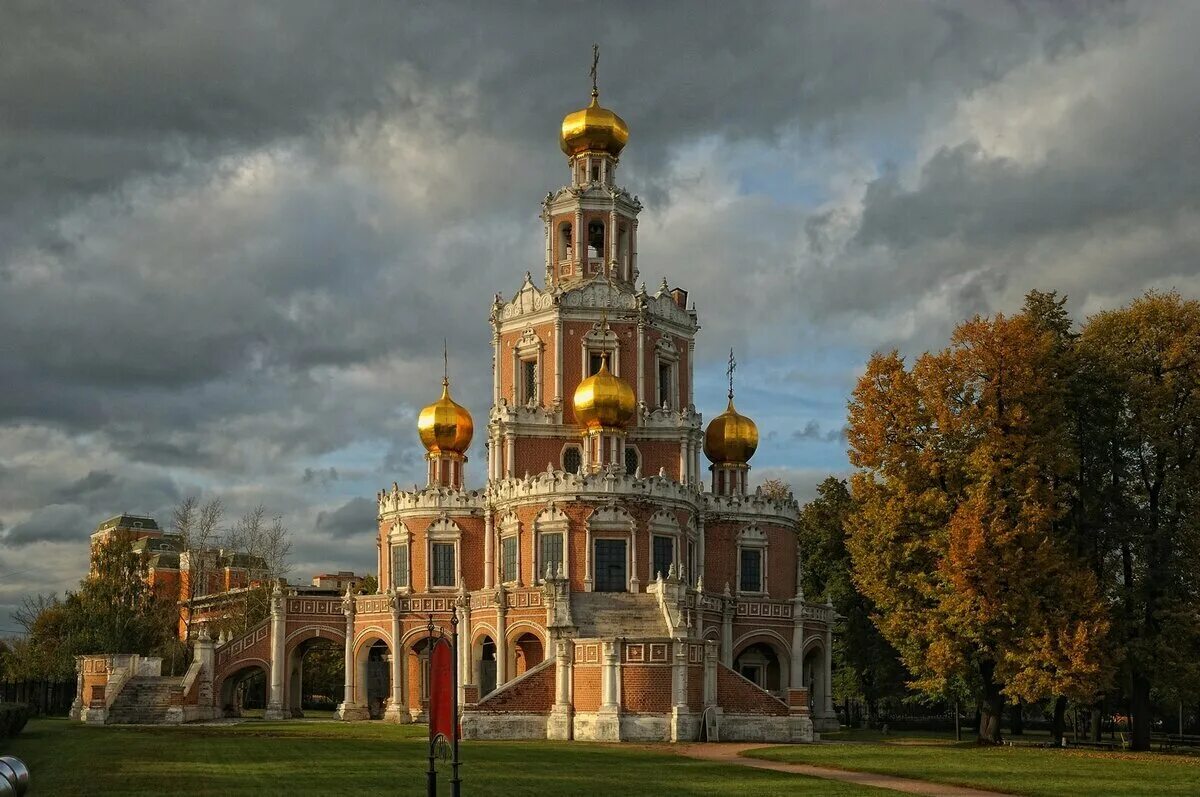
(602, 401)
(593, 128)
(445, 426)
(731, 438)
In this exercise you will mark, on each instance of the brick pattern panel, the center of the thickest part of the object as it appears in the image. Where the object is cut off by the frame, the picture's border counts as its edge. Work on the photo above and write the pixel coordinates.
(737, 695)
(586, 685)
(532, 694)
(645, 689)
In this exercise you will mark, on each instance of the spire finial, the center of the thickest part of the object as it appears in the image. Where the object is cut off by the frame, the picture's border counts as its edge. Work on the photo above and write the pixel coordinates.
(729, 372)
(595, 62)
(445, 362)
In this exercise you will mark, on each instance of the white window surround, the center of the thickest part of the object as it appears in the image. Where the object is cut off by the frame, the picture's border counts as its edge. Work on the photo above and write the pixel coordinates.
(665, 353)
(528, 348)
(752, 538)
(442, 530)
(562, 456)
(400, 535)
(600, 342)
(508, 527)
(612, 522)
(551, 520)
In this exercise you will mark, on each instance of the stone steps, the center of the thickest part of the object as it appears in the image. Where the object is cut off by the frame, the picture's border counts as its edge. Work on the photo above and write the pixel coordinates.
(617, 614)
(147, 701)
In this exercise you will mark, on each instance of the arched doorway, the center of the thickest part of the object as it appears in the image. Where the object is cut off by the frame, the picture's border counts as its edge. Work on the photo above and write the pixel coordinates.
(245, 690)
(814, 678)
(316, 676)
(527, 653)
(373, 681)
(760, 663)
(484, 656)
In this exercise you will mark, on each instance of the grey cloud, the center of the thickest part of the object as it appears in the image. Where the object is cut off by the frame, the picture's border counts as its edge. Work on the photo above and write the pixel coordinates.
(52, 523)
(355, 518)
(813, 431)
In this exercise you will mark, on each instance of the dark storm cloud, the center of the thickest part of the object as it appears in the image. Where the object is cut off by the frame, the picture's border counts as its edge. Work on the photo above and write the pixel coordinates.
(233, 236)
(355, 518)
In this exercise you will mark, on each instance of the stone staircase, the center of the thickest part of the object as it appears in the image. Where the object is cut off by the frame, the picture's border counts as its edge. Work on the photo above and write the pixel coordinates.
(148, 701)
(617, 614)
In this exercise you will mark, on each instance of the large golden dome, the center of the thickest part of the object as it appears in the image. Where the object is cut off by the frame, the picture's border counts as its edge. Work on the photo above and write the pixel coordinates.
(445, 426)
(731, 438)
(602, 401)
(593, 128)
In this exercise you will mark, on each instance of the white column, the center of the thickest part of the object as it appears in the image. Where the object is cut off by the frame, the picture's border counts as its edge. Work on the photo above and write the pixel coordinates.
(501, 643)
(641, 360)
(562, 673)
(275, 707)
(510, 455)
(796, 676)
(489, 547)
(558, 359)
(727, 631)
(608, 677)
(496, 364)
(634, 581)
(828, 697)
(396, 711)
(349, 670)
(699, 548)
(587, 557)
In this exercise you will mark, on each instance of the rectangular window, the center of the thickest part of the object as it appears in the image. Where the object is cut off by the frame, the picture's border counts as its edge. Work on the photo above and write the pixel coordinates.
(664, 385)
(529, 381)
(443, 564)
(751, 578)
(664, 554)
(551, 554)
(508, 559)
(594, 360)
(400, 565)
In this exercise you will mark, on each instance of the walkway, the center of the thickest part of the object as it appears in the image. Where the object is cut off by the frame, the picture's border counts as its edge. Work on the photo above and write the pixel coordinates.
(731, 753)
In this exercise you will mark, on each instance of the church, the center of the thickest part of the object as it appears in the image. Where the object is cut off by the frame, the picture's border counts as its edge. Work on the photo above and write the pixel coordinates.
(605, 587)
(604, 592)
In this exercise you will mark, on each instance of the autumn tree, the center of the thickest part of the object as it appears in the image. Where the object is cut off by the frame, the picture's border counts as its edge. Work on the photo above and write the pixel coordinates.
(866, 664)
(953, 535)
(1146, 358)
(199, 527)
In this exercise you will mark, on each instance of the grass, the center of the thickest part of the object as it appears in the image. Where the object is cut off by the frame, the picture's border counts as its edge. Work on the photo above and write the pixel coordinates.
(1017, 770)
(364, 758)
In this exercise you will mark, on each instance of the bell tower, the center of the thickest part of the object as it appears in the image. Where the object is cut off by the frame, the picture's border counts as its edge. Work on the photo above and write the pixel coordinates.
(591, 225)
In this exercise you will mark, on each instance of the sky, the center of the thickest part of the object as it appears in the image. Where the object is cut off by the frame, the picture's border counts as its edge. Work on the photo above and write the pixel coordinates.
(233, 236)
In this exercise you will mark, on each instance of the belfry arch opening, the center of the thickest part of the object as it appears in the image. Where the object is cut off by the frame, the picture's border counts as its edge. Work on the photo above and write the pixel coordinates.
(565, 248)
(595, 240)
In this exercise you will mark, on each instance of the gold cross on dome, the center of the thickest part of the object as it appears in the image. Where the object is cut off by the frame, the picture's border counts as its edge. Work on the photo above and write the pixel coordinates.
(729, 372)
(595, 62)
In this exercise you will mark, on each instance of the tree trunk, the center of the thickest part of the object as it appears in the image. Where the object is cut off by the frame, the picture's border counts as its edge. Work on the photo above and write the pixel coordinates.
(872, 712)
(1140, 708)
(1016, 719)
(991, 706)
(1058, 725)
(1097, 716)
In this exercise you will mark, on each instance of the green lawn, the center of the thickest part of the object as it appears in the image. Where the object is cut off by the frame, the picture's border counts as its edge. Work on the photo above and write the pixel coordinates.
(360, 758)
(1018, 770)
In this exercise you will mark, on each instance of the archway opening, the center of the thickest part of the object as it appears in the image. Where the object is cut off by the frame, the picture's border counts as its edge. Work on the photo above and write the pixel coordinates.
(527, 653)
(418, 680)
(814, 678)
(376, 674)
(485, 664)
(316, 678)
(759, 663)
(244, 692)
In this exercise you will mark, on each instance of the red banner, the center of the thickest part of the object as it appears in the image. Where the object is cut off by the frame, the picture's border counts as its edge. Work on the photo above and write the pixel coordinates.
(441, 690)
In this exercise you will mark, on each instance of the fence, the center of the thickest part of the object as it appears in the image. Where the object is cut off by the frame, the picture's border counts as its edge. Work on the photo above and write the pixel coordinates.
(45, 697)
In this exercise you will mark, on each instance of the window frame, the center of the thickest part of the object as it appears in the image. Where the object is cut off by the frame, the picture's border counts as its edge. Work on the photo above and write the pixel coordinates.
(752, 539)
(673, 541)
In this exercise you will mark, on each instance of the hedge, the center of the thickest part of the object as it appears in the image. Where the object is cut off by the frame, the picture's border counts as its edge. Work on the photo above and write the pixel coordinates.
(12, 718)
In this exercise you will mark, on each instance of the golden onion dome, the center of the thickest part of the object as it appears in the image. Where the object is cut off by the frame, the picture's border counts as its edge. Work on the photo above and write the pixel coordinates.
(602, 401)
(445, 426)
(731, 438)
(593, 128)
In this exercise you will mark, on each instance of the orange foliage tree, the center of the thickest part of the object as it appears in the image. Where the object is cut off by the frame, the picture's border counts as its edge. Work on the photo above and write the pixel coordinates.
(963, 460)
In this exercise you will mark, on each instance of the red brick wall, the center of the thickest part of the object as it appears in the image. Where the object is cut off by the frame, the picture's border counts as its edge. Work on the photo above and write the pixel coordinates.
(586, 686)
(695, 686)
(720, 552)
(738, 695)
(534, 694)
(645, 689)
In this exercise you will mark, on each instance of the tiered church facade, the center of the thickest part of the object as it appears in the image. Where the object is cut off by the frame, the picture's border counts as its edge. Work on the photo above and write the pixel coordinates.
(604, 587)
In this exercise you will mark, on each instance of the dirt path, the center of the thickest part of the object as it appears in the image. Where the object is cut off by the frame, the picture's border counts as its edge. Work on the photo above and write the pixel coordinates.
(730, 753)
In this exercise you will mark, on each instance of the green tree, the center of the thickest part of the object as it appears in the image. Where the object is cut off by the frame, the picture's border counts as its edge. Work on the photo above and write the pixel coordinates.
(867, 665)
(116, 610)
(1146, 357)
(953, 535)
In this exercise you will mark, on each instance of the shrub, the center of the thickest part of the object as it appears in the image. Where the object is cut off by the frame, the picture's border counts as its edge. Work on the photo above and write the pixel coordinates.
(12, 718)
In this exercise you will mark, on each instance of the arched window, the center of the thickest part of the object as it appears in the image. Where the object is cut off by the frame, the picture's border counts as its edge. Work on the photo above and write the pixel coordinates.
(564, 241)
(572, 459)
(631, 460)
(595, 239)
